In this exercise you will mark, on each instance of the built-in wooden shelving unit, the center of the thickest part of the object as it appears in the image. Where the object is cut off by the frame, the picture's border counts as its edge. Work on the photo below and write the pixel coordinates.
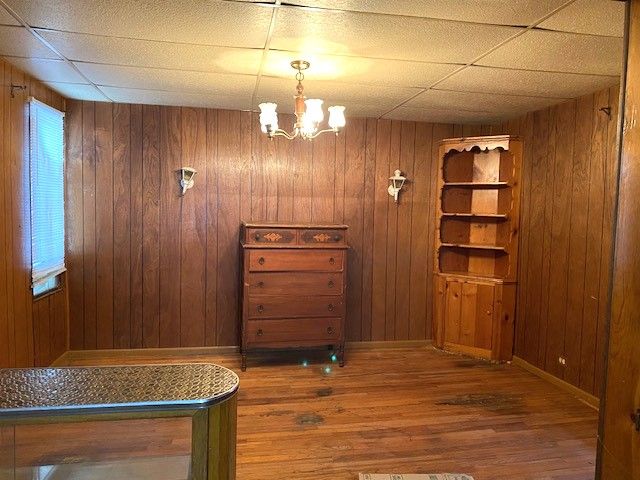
(476, 244)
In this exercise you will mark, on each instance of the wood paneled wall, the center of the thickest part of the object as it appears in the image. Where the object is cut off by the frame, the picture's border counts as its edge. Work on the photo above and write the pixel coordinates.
(566, 236)
(31, 333)
(149, 268)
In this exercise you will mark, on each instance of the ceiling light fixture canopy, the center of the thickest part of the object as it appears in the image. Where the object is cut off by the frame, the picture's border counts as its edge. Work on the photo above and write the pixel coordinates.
(309, 113)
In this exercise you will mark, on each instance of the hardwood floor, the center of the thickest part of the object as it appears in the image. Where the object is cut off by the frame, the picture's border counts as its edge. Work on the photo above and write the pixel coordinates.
(405, 410)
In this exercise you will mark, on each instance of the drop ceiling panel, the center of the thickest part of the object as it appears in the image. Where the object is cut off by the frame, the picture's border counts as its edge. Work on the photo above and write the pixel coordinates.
(486, 102)
(6, 18)
(183, 99)
(383, 36)
(18, 42)
(444, 116)
(597, 17)
(78, 91)
(559, 52)
(214, 84)
(366, 71)
(186, 21)
(48, 70)
(150, 53)
(523, 82)
(503, 12)
(282, 91)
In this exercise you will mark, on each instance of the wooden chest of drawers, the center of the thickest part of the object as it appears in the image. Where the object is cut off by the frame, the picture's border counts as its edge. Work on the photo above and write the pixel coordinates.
(293, 287)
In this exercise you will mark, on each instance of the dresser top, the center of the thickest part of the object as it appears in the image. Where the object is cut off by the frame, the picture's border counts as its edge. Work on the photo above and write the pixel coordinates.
(103, 389)
(296, 225)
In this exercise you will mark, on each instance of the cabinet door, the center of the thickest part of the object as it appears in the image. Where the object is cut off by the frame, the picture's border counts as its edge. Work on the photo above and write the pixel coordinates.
(476, 315)
(452, 312)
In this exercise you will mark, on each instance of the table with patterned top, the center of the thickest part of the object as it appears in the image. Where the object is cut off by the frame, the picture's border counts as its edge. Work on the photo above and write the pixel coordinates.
(204, 392)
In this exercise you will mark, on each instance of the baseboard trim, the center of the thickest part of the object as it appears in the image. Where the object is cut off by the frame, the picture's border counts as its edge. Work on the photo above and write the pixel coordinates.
(143, 353)
(153, 353)
(385, 344)
(581, 395)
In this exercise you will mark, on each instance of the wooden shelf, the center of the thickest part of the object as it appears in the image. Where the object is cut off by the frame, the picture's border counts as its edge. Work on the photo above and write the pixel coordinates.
(472, 276)
(474, 246)
(476, 215)
(477, 184)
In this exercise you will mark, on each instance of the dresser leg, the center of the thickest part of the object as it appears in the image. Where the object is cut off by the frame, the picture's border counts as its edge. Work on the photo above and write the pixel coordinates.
(341, 355)
(243, 363)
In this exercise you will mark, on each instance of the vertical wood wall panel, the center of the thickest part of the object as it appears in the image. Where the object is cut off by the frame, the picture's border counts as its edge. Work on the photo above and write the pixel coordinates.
(32, 332)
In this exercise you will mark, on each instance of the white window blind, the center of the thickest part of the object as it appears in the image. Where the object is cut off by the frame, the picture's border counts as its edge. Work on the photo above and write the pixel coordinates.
(46, 145)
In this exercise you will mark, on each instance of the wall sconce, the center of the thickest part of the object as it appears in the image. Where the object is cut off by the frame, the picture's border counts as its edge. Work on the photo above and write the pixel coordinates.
(186, 178)
(395, 184)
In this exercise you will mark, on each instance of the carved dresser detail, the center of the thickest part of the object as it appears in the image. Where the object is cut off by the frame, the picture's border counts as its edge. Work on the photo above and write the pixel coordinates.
(293, 287)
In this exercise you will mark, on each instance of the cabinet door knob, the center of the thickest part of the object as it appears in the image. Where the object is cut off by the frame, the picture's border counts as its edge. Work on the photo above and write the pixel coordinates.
(330, 330)
(260, 332)
(260, 308)
(330, 307)
(261, 260)
(330, 284)
(332, 260)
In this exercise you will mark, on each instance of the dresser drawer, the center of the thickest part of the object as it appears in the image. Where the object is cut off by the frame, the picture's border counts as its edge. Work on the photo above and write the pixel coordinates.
(270, 236)
(278, 306)
(296, 261)
(324, 236)
(293, 332)
(275, 283)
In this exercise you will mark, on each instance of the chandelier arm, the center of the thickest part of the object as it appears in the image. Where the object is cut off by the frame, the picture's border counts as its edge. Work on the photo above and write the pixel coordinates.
(282, 133)
(320, 132)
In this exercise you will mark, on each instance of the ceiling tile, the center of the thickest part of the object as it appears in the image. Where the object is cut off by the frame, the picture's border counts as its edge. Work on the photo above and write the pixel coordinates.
(183, 99)
(6, 18)
(486, 102)
(48, 70)
(359, 70)
(443, 115)
(219, 84)
(559, 52)
(597, 17)
(382, 36)
(281, 91)
(18, 42)
(186, 21)
(150, 53)
(78, 91)
(524, 82)
(503, 12)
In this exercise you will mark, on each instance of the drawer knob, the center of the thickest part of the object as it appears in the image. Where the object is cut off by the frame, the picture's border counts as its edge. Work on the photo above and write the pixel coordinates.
(331, 284)
(337, 238)
(259, 332)
(260, 308)
(257, 236)
(330, 330)
(261, 260)
(260, 284)
(330, 307)
(332, 260)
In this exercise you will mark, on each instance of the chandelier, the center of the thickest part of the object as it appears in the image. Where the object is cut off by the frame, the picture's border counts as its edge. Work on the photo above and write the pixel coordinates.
(309, 114)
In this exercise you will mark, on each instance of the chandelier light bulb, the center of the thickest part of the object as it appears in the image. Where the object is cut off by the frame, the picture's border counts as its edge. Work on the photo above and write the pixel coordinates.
(268, 116)
(336, 117)
(314, 110)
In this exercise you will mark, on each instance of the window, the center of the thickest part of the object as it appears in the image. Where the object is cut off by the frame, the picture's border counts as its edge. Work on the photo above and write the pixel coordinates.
(46, 153)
